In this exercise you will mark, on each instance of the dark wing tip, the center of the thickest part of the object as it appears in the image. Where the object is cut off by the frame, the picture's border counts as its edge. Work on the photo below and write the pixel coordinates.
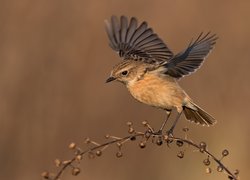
(208, 38)
(192, 58)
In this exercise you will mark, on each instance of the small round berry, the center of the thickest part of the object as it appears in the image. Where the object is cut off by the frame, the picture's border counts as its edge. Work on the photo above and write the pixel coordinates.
(208, 170)
(203, 145)
(142, 145)
(179, 143)
(225, 152)
(107, 136)
(79, 157)
(219, 169)
(119, 154)
(98, 152)
(206, 162)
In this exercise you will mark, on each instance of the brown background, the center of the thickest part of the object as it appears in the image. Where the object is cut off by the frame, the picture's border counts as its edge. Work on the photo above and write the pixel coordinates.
(54, 59)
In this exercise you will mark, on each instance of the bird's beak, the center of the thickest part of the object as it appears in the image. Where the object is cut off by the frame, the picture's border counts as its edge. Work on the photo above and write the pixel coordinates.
(111, 78)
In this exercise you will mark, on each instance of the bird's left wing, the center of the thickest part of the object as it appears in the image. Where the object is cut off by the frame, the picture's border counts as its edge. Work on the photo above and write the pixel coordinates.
(136, 42)
(191, 59)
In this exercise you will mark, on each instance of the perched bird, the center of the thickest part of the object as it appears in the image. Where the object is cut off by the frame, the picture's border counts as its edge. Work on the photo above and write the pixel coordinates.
(150, 70)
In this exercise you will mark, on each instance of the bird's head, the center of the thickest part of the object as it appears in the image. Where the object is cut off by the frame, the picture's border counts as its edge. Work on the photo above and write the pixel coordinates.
(128, 71)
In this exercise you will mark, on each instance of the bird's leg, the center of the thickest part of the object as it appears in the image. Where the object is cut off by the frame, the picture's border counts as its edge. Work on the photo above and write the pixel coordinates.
(171, 130)
(165, 121)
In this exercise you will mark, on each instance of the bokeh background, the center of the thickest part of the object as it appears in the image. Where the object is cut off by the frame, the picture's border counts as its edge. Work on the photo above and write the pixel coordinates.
(55, 58)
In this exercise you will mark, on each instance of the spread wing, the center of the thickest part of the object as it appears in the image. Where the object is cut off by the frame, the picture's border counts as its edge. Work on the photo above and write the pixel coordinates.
(136, 42)
(191, 59)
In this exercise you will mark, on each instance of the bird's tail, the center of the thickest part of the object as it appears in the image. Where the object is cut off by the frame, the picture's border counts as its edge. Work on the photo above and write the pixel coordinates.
(195, 114)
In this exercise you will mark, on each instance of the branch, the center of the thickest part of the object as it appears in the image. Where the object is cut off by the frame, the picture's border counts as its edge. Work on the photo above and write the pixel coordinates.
(157, 138)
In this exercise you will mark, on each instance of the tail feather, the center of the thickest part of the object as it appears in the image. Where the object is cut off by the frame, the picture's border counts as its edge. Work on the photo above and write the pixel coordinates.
(198, 115)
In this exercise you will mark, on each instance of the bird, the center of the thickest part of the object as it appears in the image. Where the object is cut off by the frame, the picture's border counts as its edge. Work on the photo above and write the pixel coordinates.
(150, 70)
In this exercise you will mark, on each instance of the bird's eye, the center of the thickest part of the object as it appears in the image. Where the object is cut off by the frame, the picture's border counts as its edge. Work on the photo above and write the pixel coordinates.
(124, 73)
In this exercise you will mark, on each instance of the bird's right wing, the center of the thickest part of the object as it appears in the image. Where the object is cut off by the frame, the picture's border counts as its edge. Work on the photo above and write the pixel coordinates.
(136, 42)
(191, 59)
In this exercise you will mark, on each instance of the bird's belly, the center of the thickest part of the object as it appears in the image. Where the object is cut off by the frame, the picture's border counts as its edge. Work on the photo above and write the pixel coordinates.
(165, 95)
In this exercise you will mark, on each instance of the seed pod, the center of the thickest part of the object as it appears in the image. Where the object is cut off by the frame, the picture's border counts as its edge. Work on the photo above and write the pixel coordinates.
(142, 145)
(75, 171)
(208, 170)
(57, 162)
(219, 169)
(72, 145)
(206, 162)
(179, 143)
(119, 154)
(180, 155)
(98, 152)
(202, 146)
(225, 152)
(107, 136)
(79, 157)
(236, 172)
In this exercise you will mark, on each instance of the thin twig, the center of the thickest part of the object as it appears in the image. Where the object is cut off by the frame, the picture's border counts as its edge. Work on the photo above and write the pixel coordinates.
(58, 175)
(145, 137)
(208, 153)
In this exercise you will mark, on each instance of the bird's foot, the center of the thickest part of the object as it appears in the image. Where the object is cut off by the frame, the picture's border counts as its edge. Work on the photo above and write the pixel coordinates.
(158, 132)
(170, 133)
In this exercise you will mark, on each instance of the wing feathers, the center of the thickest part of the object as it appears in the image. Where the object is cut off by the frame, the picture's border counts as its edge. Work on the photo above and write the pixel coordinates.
(191, 59)
(140, 30)
(139, 42)
(116, 29)
(131, 29)
(136, 42)
(124, 27)
(110, 33)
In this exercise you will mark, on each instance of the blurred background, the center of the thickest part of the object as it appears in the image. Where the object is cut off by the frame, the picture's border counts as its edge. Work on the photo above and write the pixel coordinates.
(55, 58)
